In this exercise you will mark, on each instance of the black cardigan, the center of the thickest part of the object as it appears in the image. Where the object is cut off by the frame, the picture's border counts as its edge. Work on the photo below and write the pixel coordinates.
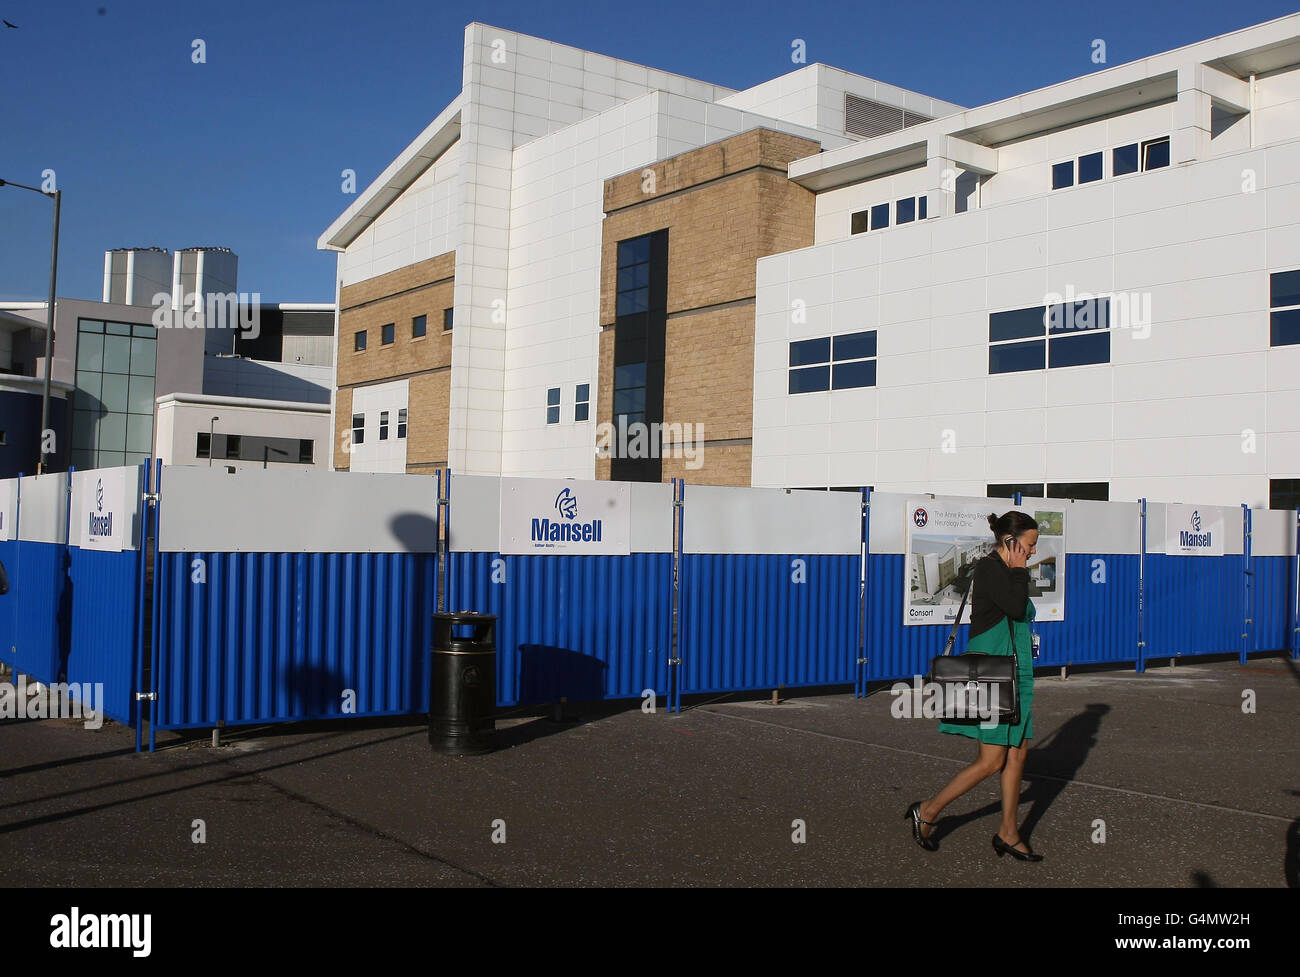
(1000, 591)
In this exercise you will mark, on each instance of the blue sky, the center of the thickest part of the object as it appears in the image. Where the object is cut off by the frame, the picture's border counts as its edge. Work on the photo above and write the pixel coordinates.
(246, 150)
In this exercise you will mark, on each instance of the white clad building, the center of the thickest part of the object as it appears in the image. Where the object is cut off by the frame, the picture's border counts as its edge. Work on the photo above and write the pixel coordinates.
(1089, 290)
(1170, 185)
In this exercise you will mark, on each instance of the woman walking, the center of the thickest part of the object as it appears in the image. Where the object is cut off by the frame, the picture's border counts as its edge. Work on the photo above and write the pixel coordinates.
(1001, 592)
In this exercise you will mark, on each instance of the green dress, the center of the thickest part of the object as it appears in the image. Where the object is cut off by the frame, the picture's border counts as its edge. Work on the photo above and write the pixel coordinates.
(996, 641)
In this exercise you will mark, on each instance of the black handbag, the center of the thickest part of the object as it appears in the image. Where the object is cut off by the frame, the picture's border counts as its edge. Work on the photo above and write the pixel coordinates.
(969, 682)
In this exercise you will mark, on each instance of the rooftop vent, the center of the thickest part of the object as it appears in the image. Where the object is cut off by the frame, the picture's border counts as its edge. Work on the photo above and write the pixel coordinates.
(869, 118)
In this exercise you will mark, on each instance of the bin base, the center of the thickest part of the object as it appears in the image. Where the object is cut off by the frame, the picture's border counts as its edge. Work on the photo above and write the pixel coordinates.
(460, 741)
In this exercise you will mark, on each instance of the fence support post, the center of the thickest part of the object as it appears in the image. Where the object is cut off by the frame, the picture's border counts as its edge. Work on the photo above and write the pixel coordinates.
(674, 654)
(444, 505)
(154, 656)
(1295, 602)
(860, 672)
(1246, 584)
(142, 562)
(1141, 665)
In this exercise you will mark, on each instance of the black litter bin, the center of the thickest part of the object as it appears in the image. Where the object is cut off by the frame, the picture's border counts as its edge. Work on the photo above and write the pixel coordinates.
(463, 683)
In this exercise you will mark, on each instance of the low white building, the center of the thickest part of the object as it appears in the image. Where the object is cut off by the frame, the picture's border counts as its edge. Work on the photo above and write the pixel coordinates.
(1168, 187)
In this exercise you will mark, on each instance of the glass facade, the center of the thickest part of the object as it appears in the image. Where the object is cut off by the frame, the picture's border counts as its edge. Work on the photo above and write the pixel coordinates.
(112, 421)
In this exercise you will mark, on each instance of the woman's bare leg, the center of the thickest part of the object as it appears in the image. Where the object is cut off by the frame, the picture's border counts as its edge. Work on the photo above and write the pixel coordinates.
(1009, 829)
(990, 761)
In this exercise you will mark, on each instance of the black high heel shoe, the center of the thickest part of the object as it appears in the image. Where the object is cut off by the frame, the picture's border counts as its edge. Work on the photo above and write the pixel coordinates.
(1002, 848)
(914, 814)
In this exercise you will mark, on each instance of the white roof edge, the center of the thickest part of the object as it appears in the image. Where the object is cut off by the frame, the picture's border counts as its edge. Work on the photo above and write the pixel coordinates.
(305, 306)
(949, 107)
(393, 180)
(572, 47)
(249, 402)
(1233, 43)
(36, 383)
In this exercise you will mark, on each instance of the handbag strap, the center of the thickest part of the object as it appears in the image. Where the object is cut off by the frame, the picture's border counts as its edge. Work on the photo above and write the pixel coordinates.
(952, 635)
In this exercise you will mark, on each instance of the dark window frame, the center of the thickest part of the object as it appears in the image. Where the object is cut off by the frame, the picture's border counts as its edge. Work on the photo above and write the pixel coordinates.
(359, 341)
(419, 326)
(1157, 143)
(388, 334)
(1284, 308)
(811, 370)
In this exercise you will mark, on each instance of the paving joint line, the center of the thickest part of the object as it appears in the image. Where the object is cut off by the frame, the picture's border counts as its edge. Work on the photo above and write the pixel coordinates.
(366, 828)
(1027, 775)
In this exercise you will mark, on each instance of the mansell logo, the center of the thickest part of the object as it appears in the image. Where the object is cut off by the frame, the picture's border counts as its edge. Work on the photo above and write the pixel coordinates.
(1193, 538)
(560, 531)
(101, 523)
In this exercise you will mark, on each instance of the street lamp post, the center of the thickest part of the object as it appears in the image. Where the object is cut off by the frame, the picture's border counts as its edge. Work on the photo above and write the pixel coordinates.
(57, 196)
(214, 420)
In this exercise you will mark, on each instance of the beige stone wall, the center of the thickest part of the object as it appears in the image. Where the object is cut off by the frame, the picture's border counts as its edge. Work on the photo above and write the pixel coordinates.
(342, 426)
(427, 418)
(425, 288)
(725, 206)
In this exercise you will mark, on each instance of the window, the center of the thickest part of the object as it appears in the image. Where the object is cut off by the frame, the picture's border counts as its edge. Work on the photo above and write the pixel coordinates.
(1097, 491)
(1006, 490)
(640, 339)
(582, 402)
(358, 428)
(922, 202)
(879, 216)
(553, 405)
(859, 222)
(629, 392)
(203, 445)
(833, 363)
(233, 444)
(1063, 174)
(1124, 159)
(905, 210)
(633, 286)
(1284, 300)
(446, 320)
(359, 341)
(383, 425)
(401, 422)
(419, 326)
(1090, 168)
(1284, 493)
(1155, 153)
(306, 451)
(113, 404)
(1067, 334)
(387, 334)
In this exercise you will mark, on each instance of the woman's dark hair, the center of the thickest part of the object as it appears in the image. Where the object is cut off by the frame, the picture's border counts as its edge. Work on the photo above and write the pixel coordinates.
(1013, 523)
